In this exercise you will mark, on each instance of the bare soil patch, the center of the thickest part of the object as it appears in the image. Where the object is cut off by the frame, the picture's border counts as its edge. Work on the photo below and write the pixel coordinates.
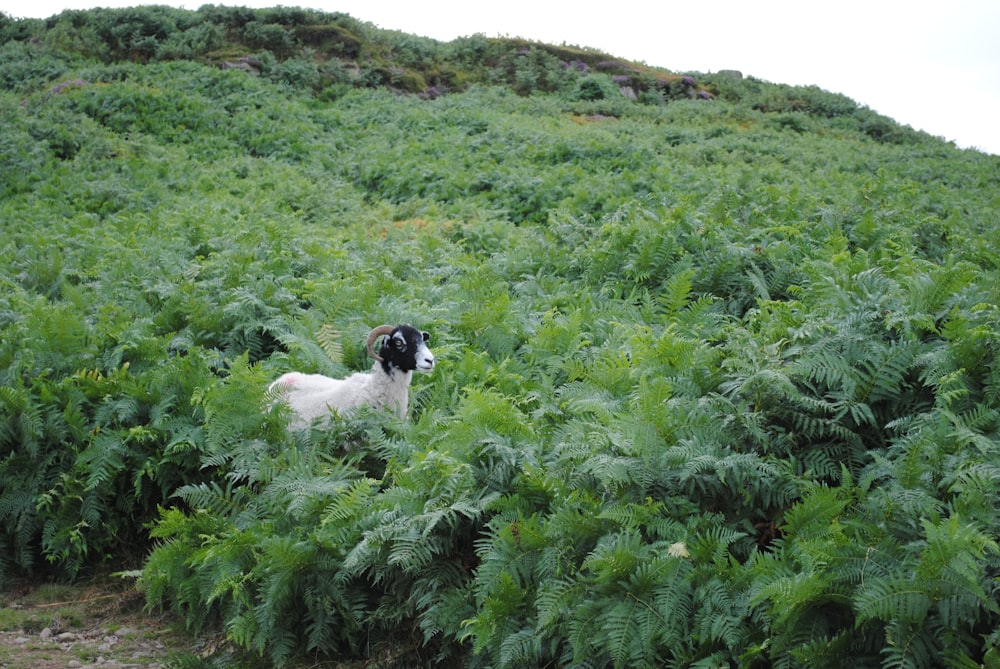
(101, 624)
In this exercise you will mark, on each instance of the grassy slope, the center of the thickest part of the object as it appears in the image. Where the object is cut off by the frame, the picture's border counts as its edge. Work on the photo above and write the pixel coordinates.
(762, 326)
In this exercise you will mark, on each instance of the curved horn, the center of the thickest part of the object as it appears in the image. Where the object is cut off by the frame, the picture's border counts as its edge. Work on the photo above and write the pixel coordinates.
(375, 334)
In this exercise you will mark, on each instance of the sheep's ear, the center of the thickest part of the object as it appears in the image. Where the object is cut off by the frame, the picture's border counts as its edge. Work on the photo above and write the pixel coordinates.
(426, 336)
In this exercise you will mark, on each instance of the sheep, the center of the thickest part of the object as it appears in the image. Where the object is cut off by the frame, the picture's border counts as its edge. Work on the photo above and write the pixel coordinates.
(386, 385)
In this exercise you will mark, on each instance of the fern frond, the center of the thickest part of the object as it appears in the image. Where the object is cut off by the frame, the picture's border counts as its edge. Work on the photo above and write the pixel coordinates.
(909, 646)
(22, 423)
(885, 372)
(813, 516)
(675, 293)
(329, 340)
(522, 648)
(892, 598)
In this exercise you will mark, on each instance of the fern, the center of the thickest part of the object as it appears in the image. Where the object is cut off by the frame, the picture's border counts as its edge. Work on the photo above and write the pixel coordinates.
(909, 646)
(892, 598)
(23, 419)
(329, 341)
(641, 606)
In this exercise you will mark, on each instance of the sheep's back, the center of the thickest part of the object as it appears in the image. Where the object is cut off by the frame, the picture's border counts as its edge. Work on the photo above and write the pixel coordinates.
(297, 382)
(313, 396)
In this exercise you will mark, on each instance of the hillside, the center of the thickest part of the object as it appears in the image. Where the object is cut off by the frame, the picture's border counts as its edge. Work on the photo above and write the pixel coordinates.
(717, 379)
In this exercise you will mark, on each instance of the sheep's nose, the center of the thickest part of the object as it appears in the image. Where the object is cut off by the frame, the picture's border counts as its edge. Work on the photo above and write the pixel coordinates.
(428, 362)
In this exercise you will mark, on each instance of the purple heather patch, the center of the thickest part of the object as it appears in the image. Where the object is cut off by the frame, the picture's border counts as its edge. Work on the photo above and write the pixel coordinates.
(62, 86)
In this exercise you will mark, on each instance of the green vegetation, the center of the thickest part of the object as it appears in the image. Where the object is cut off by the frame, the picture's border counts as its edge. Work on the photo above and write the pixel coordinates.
(719, 359)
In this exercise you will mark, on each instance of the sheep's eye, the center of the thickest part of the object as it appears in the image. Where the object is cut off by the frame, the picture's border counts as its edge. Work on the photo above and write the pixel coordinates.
(399, 343)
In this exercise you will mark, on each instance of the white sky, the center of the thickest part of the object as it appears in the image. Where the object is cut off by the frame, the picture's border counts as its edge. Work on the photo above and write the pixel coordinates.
(934, 66)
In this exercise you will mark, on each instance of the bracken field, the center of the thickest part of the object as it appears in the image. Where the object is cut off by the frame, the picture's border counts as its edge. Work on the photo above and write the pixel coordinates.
(718, 378)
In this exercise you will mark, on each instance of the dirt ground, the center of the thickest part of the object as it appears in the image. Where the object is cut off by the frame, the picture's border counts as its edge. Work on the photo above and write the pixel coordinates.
(103, 624)
(93, 625)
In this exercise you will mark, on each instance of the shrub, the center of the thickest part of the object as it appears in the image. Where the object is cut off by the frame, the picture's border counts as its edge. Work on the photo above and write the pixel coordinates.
(595, 87)
(272, 37)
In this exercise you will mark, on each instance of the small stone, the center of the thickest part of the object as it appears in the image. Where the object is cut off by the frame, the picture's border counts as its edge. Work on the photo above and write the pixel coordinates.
(66, 636)
(72, 664)
(46, 633)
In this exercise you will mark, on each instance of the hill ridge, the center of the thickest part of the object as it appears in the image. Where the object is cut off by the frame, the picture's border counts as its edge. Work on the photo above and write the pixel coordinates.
(333, 50)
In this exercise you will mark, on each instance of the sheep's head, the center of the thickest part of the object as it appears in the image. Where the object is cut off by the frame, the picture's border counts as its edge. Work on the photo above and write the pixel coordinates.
(404, 348)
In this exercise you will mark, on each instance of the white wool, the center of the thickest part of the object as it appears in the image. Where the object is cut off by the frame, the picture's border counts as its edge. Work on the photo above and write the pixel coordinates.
(312, 396)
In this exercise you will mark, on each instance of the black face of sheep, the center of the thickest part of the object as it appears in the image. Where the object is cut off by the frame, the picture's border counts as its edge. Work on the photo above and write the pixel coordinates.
(403, 348)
